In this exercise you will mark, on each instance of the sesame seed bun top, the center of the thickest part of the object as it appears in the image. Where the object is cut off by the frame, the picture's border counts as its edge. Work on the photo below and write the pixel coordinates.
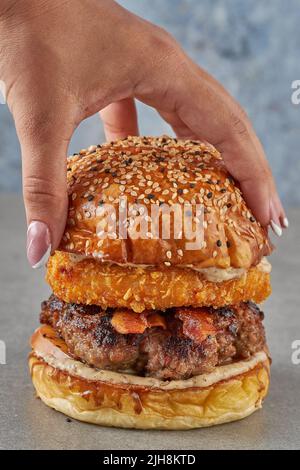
(164, 172)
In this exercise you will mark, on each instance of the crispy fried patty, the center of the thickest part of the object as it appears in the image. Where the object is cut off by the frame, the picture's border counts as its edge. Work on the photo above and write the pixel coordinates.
(163, 353)
(139, 289)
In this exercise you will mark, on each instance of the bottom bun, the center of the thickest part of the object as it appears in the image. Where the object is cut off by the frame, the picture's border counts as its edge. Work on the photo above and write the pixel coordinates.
(231, 392)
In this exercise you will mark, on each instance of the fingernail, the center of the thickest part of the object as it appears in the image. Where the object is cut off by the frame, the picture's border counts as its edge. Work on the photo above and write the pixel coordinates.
(38, 244)
(276, 229)
(285, 222)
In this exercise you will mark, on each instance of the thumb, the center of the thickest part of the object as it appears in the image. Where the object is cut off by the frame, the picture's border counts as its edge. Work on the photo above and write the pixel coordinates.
(44, 144)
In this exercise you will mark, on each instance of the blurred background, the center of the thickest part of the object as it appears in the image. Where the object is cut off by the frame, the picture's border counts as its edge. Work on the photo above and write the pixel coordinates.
(251, 46)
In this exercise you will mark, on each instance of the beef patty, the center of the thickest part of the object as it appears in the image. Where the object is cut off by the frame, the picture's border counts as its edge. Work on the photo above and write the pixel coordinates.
(193, 341)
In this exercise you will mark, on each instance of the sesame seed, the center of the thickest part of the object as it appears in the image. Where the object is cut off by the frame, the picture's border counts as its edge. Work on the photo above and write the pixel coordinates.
(167, 263)
(169, 254)
(214, 254)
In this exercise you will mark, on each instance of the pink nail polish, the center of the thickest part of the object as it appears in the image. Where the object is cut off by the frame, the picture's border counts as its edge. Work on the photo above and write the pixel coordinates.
(38, 244)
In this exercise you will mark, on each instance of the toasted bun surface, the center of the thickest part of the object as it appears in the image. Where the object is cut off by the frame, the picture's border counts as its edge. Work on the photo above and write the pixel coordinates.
(91, 282)
(107, 398)
(154, 171)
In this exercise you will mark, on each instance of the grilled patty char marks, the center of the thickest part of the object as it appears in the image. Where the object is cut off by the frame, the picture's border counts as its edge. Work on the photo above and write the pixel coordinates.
(163, 353)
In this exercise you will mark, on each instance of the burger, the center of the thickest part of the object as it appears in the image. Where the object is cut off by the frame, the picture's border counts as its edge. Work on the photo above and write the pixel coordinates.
(154, 328)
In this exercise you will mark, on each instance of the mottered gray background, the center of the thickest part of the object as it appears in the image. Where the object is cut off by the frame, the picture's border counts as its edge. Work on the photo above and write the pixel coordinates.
(251, 46)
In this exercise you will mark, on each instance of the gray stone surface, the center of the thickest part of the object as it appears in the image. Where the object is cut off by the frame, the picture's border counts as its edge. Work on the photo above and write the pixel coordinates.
(251, 46)
(27, 424)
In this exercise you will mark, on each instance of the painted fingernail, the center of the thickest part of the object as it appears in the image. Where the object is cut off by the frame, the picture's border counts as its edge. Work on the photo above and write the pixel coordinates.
(38, 244)
(285, 222)
(276, 229)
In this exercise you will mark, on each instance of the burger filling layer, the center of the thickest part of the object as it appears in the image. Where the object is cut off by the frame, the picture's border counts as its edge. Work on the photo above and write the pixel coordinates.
(176, 344)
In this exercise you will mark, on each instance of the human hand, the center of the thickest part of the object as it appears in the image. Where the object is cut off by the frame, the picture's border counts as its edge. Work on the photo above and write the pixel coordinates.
(63, 61)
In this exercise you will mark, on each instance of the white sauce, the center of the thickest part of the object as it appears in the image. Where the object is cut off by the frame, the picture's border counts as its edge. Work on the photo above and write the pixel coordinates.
(79, 369)
(210, 274)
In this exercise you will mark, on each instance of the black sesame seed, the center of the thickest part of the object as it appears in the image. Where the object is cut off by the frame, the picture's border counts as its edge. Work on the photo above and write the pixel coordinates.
(150, 196)
(180, 191)
(229, 205)
(219, 243)
(100, 202)
(68, 420)
(209, 195)
(99, 146)
(252, 219)
(107, 170)
(114, 174)
(223, 190)
(90, 197)
(192, 185)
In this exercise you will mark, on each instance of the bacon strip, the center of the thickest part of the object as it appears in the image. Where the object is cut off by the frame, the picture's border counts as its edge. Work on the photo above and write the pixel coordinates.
(197, 325)
(125, 322)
